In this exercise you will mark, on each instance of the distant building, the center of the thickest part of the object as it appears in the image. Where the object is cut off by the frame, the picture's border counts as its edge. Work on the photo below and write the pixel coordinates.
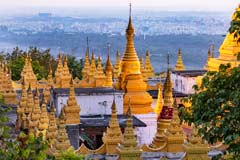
(183, 81)
(44, 15)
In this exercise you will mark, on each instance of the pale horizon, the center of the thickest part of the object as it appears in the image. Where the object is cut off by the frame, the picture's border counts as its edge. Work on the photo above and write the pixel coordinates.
(164, 5)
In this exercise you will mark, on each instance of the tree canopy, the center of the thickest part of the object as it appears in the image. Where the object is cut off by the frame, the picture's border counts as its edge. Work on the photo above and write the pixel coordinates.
(216, 108)
(235, 25)
(41, 61)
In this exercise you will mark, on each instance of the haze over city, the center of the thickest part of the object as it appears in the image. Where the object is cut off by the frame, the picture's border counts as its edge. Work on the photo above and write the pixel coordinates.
(157, 5)
(160, 26)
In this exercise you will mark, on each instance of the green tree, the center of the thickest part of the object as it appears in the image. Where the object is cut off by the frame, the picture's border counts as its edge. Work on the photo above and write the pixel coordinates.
(22, 147)
(235, 25)
(215, 108)
(70, 154)
(75, 66)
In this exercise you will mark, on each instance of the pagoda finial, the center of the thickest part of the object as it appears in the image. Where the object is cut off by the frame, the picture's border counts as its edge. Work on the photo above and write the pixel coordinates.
(87, 45)
(168, 60)
(208, 58)
(108, 70)
(72, 109)
(148, 66)
(109, 47)
(213, 47)
(129, 113)
(168, 97)
(130, 29)
(179, 65)
(130, 10)
(159, 105)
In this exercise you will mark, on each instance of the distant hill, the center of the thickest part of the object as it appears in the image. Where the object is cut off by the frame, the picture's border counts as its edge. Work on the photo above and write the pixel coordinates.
(194, 47)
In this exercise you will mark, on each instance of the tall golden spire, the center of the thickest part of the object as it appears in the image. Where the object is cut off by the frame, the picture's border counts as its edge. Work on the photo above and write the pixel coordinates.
(66, 76)
(50, 77)
(179, 65)
(52, 127)
(86, 67)
(159, 105)
(72, 109)
(131, 80)
(58, 72)
(148, 66)
(130, 52)
(100, 76)
(116, 70)
(92, 68)
(168, 97)
(142, 69)
(208, 59)
(108, 70)
(174, 135)
(62, 142)
(113, 135)
(28, 73)
(129, 149)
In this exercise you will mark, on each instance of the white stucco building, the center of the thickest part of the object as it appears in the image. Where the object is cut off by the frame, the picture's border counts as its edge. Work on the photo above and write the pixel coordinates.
(183, 81)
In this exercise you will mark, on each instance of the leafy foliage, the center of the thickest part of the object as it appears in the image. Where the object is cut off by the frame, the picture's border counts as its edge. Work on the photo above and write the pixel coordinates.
(235, 25)
(75, 66)
(70, 154)
(215, 108)
(41, 61)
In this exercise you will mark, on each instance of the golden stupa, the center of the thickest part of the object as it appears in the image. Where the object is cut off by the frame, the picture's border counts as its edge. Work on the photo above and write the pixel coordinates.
(174, 134)
(129, 149)
(159, 104)
(108, 70)
(228, 51)
(27, 72)
(179, 65)
(113, 135)
(116, 70)
(99, 75)
(131, 80)
(148, 66)
(72, 109)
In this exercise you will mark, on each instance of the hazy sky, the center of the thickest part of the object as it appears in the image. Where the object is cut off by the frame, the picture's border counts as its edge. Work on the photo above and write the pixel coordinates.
(206, 5)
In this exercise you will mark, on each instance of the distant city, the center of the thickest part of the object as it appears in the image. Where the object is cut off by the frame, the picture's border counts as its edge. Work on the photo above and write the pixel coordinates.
(160, 32)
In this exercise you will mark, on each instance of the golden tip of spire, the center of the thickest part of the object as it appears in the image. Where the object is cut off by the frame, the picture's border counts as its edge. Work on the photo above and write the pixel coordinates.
(117, 53)
(130, 29)
(29, 87)
(147, 52)
(71, 81)
(52, 108)
(179, 51)
(129, 108)
(37, 93)
(62, 116)
(175, 103)
(114, 104)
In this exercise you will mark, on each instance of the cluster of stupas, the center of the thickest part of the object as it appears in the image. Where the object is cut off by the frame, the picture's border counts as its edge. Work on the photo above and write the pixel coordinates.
(36, 114)
(6, 88)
